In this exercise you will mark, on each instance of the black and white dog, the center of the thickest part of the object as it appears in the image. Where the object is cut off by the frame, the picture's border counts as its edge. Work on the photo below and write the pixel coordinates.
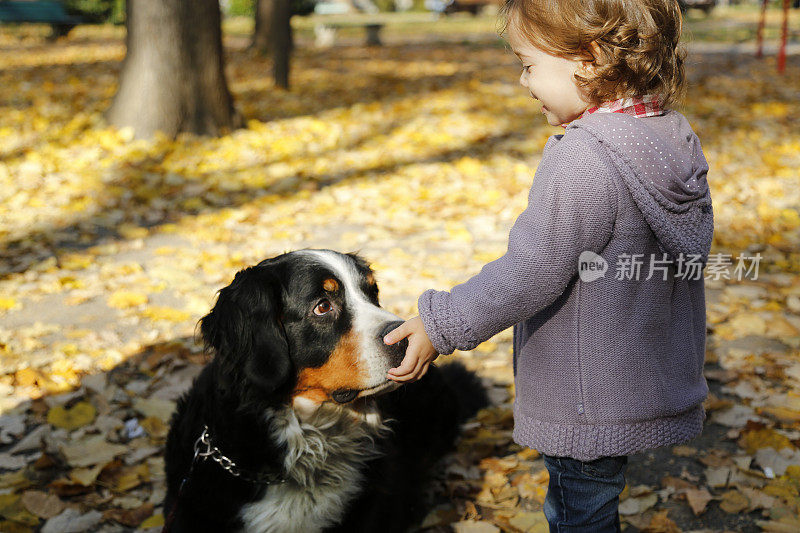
(293, 426)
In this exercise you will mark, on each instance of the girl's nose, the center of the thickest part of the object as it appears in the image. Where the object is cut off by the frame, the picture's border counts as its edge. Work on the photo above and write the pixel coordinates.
(522, 80)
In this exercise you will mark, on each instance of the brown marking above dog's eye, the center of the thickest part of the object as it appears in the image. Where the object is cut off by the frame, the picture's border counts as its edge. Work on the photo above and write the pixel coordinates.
(330, 285)
(342, 370)
(371, 279)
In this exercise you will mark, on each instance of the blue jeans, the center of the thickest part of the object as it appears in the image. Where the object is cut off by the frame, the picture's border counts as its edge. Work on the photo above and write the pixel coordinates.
(583, 497)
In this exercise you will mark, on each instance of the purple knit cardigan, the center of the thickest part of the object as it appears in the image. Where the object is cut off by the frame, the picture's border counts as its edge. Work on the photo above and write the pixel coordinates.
(613, 365)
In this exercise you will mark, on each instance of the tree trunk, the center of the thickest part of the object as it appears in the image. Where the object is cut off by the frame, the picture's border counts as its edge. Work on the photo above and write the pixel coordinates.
(172, 78)
(273, 35)
(263, 19)
(281, 41)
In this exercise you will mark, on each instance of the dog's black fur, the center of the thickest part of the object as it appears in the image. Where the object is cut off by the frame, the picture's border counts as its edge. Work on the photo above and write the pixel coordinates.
(262, 337)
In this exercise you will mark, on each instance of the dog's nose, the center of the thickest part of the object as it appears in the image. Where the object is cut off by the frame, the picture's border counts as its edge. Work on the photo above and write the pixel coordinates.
(389, 326)
(398, 349)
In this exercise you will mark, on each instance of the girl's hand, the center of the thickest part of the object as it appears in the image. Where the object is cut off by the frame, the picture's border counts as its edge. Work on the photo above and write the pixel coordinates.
(419, 354)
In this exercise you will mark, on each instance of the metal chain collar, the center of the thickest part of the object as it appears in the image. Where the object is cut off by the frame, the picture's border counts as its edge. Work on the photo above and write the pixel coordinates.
(204, 449)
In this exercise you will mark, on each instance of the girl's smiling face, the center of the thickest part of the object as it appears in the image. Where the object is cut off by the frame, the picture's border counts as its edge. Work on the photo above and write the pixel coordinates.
(549, 79)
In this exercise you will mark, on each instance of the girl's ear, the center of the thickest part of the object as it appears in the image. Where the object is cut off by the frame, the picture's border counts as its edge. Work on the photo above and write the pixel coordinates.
(590, 65)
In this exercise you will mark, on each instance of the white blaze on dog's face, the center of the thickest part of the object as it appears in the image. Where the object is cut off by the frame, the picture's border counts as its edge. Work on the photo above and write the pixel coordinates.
(342, 334)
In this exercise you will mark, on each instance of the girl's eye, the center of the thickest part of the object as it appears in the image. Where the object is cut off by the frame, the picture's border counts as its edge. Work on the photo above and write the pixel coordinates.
(323, 308)
(526, 68)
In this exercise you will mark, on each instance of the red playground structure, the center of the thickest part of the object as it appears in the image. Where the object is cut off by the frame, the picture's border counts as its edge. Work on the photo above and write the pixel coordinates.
(784, 33)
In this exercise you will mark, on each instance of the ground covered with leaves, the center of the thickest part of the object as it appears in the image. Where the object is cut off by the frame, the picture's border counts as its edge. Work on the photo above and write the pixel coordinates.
(419, 155)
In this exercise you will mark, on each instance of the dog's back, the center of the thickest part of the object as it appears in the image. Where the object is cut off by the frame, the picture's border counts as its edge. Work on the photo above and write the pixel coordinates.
(468, 388)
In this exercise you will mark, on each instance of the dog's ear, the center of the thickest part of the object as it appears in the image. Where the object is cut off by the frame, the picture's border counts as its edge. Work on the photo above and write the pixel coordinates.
(244, 330)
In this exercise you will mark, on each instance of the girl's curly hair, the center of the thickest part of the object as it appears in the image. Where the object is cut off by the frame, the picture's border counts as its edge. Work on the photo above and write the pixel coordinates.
(633, 45)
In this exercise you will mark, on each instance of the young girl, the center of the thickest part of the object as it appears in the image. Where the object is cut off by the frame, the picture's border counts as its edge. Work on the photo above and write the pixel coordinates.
(608, 316)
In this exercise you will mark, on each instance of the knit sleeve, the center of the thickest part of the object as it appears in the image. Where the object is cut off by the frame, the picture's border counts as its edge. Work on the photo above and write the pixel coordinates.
(571, 209)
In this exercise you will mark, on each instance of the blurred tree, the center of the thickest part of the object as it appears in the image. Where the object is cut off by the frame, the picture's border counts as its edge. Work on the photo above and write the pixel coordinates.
(273, 35)
(273, 32)
(172, 77)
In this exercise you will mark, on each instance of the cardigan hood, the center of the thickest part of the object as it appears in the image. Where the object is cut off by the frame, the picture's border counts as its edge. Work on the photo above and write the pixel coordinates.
(663, 166)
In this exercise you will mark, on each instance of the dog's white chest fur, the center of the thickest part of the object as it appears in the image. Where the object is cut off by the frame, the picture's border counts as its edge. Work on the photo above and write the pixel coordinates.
(325, 453)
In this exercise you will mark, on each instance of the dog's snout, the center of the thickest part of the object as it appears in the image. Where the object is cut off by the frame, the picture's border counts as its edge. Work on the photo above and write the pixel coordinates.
(389, 326)
(398, 349)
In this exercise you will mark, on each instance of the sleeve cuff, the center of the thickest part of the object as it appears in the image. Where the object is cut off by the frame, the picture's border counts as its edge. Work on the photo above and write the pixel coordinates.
(444, 327)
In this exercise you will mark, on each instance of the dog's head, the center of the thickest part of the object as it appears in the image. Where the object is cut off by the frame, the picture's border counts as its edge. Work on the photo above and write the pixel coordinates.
(304, 326)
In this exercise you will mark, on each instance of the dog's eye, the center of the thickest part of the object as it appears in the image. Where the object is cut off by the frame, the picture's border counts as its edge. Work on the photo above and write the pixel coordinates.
(322, 308)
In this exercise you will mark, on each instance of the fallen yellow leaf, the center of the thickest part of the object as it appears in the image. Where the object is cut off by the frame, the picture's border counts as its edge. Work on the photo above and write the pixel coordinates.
(126, 299)
(734, 502)
(81, 414)
(157, 520)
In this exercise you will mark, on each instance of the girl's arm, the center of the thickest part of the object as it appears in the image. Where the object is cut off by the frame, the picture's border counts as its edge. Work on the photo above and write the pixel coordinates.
(571, 209)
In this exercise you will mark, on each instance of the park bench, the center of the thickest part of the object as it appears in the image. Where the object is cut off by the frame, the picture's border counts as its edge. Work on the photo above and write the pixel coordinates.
(325, 32)
(470, 6)
(52, 13)
(704, 5)
(335, 15)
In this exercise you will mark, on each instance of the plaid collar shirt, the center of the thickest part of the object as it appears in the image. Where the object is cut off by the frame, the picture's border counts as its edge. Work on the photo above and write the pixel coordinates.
(648, 105)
